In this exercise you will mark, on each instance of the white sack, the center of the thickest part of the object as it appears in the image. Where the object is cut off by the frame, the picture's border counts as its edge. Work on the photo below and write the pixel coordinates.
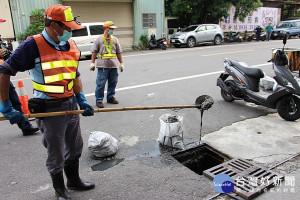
(170, 134)
(102, 144)
(267, 82)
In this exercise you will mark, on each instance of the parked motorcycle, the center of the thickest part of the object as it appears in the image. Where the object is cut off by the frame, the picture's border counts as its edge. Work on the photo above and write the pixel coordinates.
(7, 50)
(157, 43)
(244, 85)
(263, 36)
(235, 37)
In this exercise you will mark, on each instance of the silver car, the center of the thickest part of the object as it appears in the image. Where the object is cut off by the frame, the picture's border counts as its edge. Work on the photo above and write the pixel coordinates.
(196, 34)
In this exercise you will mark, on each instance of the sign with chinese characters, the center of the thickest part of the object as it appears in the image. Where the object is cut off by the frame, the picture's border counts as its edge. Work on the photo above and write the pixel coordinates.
(262, 16)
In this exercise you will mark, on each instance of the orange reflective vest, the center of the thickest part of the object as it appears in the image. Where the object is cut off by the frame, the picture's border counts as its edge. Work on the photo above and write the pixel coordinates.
(58, 68)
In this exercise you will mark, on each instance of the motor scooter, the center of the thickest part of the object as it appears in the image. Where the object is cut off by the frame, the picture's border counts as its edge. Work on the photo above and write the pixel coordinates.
(241, 82)
(263, 36)
(235, 37)
(157, 43)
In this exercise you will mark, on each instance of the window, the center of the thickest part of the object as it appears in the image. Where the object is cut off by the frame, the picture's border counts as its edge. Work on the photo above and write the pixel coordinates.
(210, 27)
(297, 23)
(80, 32)
(201, 28)
(190, 28)
(149, 20)
(96, 29)
(283, 25)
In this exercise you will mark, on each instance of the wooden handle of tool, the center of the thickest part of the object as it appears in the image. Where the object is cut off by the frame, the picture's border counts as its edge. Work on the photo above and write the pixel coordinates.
(76, 112)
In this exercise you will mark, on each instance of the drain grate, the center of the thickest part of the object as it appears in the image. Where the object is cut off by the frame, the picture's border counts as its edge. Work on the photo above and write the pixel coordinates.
(249, 179)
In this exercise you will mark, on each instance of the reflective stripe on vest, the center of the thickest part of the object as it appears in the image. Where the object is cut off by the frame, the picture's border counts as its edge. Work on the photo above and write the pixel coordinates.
(108, 54)
(59, 77)
(53, 88)
(60, 63)
(58, 68)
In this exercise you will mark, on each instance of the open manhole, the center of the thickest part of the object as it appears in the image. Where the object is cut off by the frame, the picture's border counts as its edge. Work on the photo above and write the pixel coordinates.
(201, 158)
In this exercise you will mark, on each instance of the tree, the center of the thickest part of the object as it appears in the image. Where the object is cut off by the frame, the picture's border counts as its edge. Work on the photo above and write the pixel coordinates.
(36, 25)
(290, 11)
(208, 11)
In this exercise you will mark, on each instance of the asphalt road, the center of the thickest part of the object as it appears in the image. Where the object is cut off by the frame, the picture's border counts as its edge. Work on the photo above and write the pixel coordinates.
(174, 77)
(151, 78)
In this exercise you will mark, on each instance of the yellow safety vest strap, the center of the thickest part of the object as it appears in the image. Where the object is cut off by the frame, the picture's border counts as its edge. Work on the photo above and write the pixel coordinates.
(70, 85)
(108, 54)
(59, 77)
(52, 88)
(58, 64)
(48, 88)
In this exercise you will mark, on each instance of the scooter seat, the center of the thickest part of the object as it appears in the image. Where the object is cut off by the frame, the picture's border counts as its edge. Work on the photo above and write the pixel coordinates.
(254, 72)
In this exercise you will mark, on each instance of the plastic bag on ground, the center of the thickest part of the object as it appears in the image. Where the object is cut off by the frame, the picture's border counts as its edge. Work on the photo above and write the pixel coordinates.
(102, 144)
(171, 131)
(267, 82)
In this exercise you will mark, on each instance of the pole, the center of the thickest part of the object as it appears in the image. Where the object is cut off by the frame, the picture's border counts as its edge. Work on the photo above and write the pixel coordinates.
(76, 112)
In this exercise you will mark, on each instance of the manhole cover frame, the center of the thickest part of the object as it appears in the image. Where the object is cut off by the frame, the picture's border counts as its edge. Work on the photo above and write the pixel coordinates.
(221, 156)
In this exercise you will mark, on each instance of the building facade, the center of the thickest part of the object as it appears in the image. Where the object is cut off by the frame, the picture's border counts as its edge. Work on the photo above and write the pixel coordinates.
(133, 17)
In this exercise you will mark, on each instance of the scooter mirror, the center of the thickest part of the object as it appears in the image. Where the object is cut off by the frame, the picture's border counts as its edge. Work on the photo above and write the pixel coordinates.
(284, 39)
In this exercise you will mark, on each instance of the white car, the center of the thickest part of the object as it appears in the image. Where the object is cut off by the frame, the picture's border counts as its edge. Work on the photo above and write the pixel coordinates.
(85, 37)
(197, 34)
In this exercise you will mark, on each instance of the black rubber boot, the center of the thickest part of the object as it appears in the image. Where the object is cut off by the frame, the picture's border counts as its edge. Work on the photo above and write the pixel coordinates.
(59, 187)
(72, 173)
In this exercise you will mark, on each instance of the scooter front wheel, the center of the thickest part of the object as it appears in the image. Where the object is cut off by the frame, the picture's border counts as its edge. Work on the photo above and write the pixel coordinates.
(227, 97)
(288, 108)
(163, 47)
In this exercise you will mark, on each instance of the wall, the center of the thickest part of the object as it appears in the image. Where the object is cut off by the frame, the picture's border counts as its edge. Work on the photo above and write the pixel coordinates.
(120, 13)
(262, 16)
(146, 6)
(21, 9)
(6, 28)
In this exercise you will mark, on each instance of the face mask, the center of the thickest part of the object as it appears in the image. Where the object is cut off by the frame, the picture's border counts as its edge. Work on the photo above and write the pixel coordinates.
(65, 37)
(110, 32)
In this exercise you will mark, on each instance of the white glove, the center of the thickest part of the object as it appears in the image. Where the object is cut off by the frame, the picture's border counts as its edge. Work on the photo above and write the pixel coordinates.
(92, 67)
(121, 67)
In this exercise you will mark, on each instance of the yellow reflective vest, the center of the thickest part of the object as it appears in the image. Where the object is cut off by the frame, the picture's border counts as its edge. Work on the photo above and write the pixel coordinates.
(108, 55)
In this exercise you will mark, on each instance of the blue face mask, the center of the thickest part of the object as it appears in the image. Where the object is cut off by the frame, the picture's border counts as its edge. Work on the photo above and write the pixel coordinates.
(65, 37)
(110, 32)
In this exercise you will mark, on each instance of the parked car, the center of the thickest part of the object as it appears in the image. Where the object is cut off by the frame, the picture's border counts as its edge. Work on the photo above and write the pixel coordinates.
(196, 34)
(85, 37)
(291, 28)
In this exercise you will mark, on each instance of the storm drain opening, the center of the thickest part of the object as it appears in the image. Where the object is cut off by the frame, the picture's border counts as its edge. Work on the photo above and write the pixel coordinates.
(201, 158)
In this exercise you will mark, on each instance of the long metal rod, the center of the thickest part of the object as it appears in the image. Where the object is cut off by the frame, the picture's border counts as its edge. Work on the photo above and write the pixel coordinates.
(76, 112)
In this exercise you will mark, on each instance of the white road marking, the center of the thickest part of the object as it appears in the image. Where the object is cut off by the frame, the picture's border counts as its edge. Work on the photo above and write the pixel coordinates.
(173, 80)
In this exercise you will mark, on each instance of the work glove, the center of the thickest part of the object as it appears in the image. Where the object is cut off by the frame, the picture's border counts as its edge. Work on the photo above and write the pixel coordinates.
(92, 67)
(83, 104)
(10, 113)
(2, 53)
(121, 67)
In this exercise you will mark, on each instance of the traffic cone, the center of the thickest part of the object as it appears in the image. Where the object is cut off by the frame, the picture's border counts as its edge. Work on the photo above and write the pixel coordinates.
(23, 97)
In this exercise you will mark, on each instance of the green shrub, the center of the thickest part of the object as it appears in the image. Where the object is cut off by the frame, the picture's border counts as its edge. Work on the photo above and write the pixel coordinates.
(144, 41)
(36, 25)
